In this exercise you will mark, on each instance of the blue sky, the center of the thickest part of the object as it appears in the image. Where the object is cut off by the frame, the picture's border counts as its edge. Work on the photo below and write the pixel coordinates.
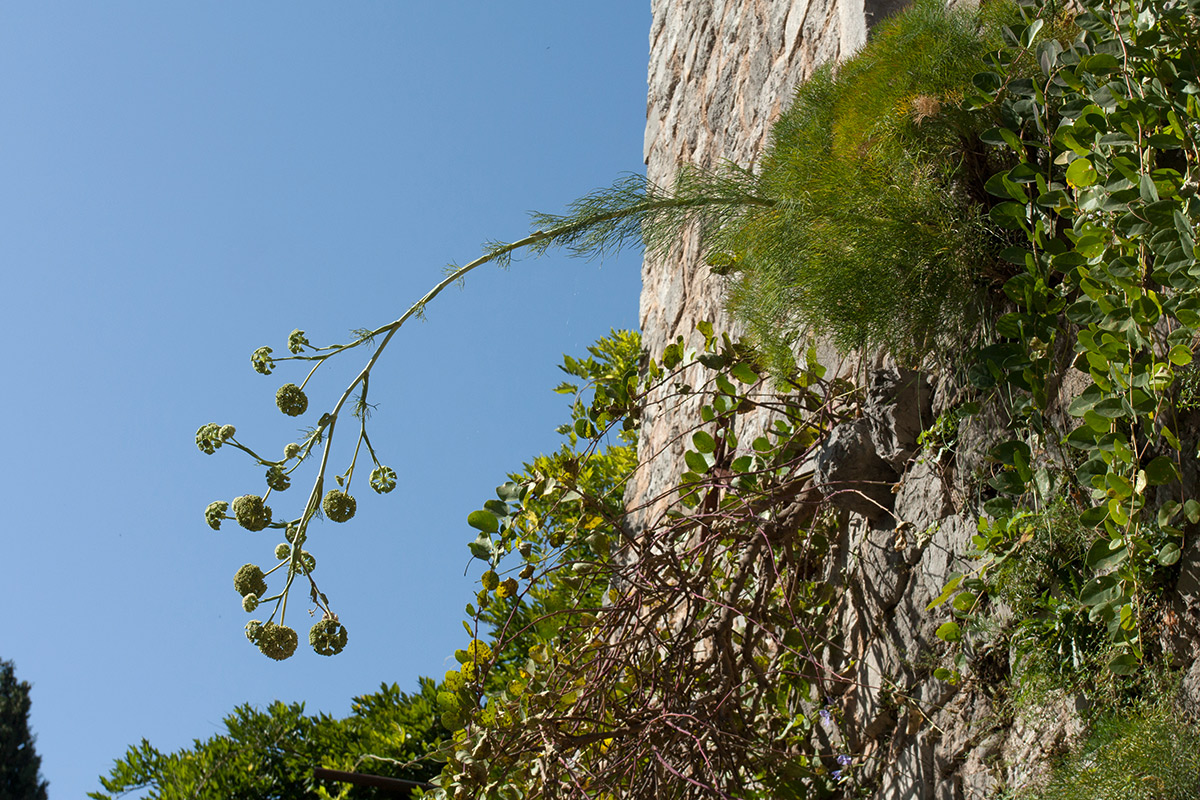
(183, 183)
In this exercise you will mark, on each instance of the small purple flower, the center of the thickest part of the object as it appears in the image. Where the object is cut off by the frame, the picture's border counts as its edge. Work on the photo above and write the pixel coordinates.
(844, 760)
(836, 774)
(826, 719)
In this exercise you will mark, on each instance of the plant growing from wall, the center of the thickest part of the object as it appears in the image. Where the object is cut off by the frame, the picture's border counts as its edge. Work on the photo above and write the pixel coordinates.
(1104, 195)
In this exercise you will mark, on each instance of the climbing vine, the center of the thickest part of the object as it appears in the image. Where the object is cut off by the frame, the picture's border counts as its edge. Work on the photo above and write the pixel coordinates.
(1105, 302)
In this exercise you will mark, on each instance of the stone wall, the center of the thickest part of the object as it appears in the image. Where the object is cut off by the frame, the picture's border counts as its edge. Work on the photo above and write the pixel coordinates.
(720, 73)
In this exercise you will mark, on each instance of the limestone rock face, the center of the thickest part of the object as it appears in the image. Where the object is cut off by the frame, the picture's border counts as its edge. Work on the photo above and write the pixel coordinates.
(850, 473)
(721, 71)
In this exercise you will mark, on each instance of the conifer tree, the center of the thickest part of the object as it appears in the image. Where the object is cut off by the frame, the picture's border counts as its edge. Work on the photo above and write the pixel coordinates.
(20, 764)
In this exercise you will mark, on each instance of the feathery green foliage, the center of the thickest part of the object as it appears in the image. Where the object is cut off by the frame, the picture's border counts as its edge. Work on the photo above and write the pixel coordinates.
(1146, 753)
(876, 236)
(863, 223)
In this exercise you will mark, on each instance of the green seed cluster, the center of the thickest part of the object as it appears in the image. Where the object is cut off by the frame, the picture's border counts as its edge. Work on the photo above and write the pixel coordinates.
(249, 603)
(297, 341)
(277, 641)
(250, 512)
(283, 550)
(277, 479)
(261, 360)
(338, 505)
(290, 451)
(250, 580)
(215, 513)
(210, 437)
(291, 400)
(308, 563)
(327, 637)
(254, 630)
(383, 479)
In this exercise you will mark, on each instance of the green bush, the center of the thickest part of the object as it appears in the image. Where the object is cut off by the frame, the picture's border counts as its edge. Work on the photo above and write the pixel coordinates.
(876, 235)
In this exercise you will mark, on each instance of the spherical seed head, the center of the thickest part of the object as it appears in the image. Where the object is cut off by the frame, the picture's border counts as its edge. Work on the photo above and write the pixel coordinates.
(249, 603)
(291, 450)
(383, 479)
(291, 400)
(327, 637)
(250, 512)
(277, 641)
(250, 580)
(261, 360)
(215, 514)
(507, 589)
(338, 505)
(283, 550)
(254, 631)
(277, 479)
(208, 438)
(490, 580)
(227, 432)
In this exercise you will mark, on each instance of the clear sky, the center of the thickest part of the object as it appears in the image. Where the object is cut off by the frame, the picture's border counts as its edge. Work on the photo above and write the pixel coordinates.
(181, 183)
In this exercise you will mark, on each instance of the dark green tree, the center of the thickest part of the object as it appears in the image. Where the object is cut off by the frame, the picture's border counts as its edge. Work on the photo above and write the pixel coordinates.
(20, 765)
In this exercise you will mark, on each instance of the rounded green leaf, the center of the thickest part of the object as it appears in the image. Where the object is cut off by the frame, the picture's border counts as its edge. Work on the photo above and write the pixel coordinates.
(1081, 173)
(1100, 590)
(483, 520)
(1101, 556)
(1169, 554)
(1161, 470)
(744, 373)
(482, 548)
(1124, 664)
(949, 631)
(704, 442)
